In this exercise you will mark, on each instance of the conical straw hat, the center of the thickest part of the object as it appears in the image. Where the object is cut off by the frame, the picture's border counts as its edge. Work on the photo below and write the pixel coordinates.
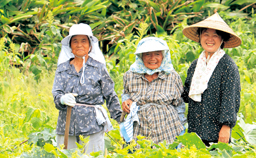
(213, 22)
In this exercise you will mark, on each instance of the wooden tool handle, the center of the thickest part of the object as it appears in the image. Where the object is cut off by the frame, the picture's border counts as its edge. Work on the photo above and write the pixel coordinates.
(122, 116)
(69, 109)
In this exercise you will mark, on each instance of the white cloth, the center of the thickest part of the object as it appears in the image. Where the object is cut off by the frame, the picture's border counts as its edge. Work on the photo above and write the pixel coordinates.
(71, 141)
(203, 73)
(96, 142)
(126, 127)
(66, 54)
(102, 118)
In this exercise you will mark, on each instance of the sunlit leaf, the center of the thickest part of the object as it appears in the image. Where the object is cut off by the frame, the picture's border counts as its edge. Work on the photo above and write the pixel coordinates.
(190, 139)
(154, 5)
(221, 146)
(22, 17)
(29, 113)
(160, 30)
(4, 20)
(49, 147)
(197, 6)
(35, 122)
(240, 2)
(215, 5)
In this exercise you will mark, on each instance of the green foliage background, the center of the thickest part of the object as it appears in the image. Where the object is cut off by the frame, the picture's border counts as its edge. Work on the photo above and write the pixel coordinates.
(30, 37)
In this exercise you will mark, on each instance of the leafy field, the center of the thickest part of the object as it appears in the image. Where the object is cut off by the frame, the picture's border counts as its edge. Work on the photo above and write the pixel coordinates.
(28, 115)
(29, 47)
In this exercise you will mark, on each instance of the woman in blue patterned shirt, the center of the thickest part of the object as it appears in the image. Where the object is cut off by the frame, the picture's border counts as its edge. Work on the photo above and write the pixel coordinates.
(82, 81)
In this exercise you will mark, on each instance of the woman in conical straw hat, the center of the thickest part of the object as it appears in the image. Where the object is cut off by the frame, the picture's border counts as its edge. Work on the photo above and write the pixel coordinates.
(82, 82)
(212, 87)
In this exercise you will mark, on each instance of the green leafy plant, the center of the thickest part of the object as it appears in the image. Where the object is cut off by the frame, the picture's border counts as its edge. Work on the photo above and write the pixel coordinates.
(30, 43)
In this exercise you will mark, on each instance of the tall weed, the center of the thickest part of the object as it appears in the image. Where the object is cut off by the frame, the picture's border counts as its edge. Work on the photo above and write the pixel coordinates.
(26, 106)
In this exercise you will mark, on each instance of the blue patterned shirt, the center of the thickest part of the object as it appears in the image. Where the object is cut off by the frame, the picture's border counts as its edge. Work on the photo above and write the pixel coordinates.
(97, 87)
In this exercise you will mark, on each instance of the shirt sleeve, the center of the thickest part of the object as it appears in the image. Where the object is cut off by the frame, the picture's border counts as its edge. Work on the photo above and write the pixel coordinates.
(125, 95)
(110, 96)
(181, 107)
(125, 91)
(58, 91)
(190, 74)
(230, 95)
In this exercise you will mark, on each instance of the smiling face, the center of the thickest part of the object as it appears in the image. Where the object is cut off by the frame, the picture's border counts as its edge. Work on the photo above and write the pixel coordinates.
(152, 60)
(210, 40)
(80, 45)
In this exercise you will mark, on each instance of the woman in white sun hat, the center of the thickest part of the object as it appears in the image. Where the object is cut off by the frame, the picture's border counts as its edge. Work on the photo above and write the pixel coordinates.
(82, 82)
(152, 90)
(212, 87)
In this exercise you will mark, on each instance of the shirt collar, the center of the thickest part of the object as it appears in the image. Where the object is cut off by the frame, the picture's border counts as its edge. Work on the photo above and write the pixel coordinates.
(162, 75)
(67, 66)
(92, 62)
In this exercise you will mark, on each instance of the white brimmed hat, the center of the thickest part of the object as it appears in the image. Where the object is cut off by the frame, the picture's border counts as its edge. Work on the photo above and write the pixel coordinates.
(79, 29)
(213, 22)
(150, 44)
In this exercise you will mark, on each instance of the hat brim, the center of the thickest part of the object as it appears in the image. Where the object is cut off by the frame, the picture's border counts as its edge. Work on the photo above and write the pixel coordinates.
(65, 41)
(146, 51)
(150, 44)
(191, 32)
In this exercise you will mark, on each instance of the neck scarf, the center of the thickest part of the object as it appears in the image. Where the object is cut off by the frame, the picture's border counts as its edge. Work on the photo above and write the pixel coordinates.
(203, 73)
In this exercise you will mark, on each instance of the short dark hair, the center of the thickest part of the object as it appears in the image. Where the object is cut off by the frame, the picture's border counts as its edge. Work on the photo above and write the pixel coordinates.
(224, 35)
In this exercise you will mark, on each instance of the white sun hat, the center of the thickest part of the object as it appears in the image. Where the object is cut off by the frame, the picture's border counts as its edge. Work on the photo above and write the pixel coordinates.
(80, 29)
(150, 44)
(213, 22)
(66, 52)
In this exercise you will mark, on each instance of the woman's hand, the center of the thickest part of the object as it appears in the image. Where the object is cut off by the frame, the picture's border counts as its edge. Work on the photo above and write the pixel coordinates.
(69, 99)
(224, 134)
(126, 105)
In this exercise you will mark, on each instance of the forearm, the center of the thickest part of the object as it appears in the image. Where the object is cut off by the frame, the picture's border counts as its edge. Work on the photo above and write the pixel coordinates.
(57, 92)
(113, 105)
(224, 134)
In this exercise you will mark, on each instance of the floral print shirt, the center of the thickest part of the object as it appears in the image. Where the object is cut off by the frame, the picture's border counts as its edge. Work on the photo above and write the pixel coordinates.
(97, 87)
(220, 101)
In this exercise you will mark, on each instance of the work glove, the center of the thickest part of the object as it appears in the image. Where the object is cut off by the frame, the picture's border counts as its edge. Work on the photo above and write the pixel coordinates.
(69, 99)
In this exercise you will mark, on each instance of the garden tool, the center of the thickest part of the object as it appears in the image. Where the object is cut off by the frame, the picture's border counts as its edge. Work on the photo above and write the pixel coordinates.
(122, 116)
(69, 109)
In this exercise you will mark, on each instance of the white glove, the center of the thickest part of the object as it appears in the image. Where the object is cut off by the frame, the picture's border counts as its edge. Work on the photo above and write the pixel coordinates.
(68, 99)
